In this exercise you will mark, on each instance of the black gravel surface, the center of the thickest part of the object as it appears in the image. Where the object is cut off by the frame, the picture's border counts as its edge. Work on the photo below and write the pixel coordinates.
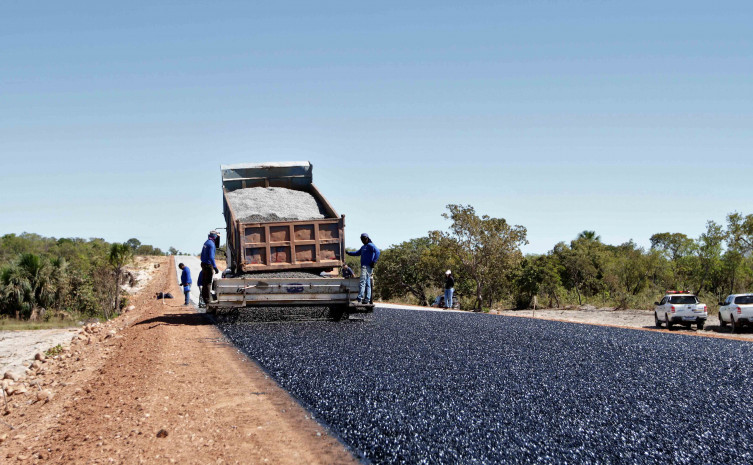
(405, 386)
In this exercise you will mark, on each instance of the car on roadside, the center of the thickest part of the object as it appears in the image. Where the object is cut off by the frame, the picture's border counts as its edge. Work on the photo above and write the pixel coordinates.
(680, 307)
(737, 311)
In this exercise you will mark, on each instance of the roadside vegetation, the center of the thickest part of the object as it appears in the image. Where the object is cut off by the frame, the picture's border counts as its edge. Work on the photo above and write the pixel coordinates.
(51, 282)
(491, 272)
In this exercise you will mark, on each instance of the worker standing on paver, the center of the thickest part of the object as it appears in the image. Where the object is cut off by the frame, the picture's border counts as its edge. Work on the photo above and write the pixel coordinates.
(369, 255)
(208, 266)
(449, 288)
(185, 281)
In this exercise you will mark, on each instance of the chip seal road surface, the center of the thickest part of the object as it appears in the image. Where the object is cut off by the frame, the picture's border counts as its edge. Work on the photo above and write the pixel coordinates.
(405, 386)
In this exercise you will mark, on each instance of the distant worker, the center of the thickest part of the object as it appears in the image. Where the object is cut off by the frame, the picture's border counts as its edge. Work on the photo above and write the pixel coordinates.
(199, 282)
(449, 288)
(185, 281)
(347, 271)
(208, 265)
(369, 255)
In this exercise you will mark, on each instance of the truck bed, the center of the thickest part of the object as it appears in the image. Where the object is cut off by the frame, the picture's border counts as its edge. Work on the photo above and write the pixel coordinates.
(263, 246)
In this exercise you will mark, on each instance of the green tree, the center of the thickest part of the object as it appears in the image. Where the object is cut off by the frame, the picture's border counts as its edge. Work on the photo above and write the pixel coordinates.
(582, 264)
(120, 255)
(133, 243)
(539, 276)
(408, 267)
(740, 230)
(708, 252)
(677, 249)
(486, 249)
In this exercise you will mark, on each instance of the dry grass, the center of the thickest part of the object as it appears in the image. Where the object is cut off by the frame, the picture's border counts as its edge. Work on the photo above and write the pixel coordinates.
(11, 324)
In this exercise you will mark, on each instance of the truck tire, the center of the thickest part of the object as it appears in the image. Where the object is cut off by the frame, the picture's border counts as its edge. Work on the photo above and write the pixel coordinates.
(735, 327)
(669, 322)
(722, 323)
(657, 322)
(700, 324)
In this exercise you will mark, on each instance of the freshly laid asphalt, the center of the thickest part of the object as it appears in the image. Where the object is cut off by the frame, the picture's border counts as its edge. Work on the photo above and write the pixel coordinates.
(407, 386)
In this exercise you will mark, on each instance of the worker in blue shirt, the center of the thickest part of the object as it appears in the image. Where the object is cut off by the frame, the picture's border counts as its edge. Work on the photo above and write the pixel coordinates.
(208, 265)
(185, 281)
(369, 255)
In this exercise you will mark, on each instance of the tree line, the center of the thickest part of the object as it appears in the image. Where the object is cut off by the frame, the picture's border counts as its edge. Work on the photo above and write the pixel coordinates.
(491, 271)
(44, 277)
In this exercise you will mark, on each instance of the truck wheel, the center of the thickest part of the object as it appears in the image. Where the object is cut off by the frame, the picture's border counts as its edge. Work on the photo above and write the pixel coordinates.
(735, 327)
(722, 323)
(700, 325)
(669, 322)
(656, 320)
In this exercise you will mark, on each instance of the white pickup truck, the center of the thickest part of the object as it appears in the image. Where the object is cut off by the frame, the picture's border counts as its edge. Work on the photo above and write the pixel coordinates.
(737, 310)
(680, 308)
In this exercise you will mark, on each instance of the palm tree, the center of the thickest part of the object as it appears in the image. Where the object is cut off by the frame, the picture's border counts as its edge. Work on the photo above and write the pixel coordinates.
(36, 272)
(15, 289)
(589, 236)
(120, 256)
(59, 278)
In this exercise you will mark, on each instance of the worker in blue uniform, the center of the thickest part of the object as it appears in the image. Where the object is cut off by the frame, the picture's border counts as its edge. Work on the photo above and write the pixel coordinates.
(208, 266)
(185, 281)
(369, 255)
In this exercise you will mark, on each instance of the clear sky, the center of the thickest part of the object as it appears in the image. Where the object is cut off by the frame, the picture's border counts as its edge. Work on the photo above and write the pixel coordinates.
(627, 118)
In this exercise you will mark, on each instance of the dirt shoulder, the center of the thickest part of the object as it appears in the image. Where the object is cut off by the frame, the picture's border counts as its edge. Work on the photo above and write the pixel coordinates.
(634, 319)
(158, 385)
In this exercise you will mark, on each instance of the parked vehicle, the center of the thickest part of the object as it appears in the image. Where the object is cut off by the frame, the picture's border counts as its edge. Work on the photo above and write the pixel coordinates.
(680, 307)
(737, 311)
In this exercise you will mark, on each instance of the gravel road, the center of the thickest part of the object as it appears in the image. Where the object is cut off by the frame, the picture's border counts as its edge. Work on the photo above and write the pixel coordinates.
(406, 386)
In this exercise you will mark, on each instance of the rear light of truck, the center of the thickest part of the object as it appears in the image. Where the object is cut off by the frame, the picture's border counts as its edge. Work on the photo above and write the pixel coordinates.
(739, 310)
(705, 309)
(672, 308)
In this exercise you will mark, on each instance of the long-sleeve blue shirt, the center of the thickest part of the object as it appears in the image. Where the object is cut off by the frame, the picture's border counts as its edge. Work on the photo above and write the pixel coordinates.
(185, 277)
(369, 254)
(207, 253)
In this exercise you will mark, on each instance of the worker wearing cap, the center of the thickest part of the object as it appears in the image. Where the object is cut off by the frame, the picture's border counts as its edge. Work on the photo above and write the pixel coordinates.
(208, 265)
(185, 281)
(449, 288)
(369, 255)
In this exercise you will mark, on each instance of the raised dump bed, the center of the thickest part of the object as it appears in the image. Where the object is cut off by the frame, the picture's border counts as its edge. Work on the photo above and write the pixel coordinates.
(282, 233)
(275, 236)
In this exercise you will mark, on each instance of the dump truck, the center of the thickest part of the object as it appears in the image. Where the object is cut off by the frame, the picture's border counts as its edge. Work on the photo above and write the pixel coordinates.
(281, 258)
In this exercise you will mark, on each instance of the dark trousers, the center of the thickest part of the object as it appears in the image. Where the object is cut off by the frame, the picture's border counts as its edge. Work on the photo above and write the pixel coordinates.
(206, 282)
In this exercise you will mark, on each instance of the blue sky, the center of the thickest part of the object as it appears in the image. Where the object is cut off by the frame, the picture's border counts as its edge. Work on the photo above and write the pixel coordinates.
(628, 118)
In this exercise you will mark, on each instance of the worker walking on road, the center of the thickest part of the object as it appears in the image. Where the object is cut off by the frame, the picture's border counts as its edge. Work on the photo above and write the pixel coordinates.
(449, 288)
(208, 266)
(369, 255)
(185, 281)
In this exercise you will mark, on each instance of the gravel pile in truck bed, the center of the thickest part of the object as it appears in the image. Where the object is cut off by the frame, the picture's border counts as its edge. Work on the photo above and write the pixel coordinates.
(262, 204)
(432, 387)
